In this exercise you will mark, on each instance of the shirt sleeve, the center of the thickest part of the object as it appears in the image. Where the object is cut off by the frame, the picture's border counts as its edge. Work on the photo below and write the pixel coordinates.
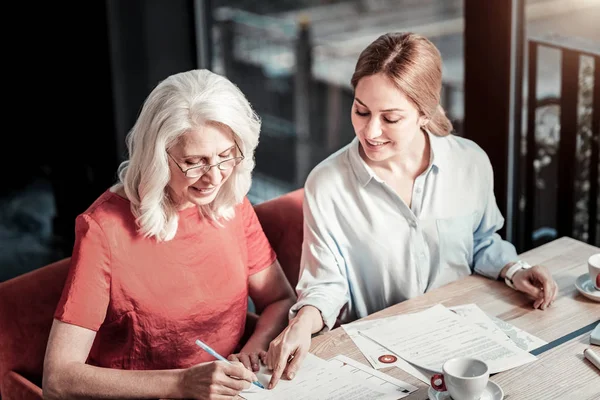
(321, 283)
(260, 253)
(86, 294)
(491, 253)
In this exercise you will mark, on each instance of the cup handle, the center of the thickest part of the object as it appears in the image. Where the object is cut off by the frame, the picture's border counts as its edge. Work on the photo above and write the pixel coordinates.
(437, 382)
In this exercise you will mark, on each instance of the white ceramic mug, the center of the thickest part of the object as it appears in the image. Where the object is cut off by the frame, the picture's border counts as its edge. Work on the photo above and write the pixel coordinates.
(464, 378)
(594, 268)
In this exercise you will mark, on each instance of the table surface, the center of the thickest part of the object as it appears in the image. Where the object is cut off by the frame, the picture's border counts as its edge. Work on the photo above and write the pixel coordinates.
(560, 371)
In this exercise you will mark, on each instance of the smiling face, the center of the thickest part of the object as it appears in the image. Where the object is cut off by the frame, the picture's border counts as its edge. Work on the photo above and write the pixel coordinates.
(208, 145)
(385, 121)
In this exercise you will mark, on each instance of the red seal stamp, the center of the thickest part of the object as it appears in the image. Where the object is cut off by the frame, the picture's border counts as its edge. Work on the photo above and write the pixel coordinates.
(387, 359)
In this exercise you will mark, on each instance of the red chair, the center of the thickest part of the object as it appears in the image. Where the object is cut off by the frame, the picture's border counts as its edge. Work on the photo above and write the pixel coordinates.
(27, 302)
(281, 219)
(27, 305)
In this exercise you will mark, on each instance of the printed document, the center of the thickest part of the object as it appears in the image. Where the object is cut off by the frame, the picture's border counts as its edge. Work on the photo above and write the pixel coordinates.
(499, 328)
(392, 387)
(430, 337)
(378, 356)
(337, 379)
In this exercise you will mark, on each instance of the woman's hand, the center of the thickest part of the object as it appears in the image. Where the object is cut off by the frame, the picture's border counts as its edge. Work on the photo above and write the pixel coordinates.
(250, 360)
(538, 283)
(216, 380)
(288, 350)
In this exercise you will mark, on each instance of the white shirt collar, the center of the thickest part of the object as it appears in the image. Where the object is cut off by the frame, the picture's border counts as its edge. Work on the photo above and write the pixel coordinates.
(364, 173)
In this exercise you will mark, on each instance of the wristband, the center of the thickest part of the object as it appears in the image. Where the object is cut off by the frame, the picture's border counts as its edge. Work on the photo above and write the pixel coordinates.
(516, 267)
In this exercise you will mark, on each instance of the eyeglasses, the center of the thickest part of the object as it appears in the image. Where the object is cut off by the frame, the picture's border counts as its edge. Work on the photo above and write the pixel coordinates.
(198, 171)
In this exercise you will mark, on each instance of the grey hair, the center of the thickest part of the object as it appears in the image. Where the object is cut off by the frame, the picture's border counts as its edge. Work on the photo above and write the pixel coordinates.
(182, 102)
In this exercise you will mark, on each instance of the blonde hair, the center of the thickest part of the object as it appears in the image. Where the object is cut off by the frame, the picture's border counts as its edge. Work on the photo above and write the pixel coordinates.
(180, 103)
(414, 64)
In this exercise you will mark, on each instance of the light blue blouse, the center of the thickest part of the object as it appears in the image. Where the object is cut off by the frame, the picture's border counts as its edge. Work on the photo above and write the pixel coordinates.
(364, 249)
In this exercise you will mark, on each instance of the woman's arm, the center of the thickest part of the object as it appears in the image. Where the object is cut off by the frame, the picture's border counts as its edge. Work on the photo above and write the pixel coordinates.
(66, 375)
(273, 297)
(321, 282)
(493, 256)
(490, 252)
(322, 290)
(288, 350)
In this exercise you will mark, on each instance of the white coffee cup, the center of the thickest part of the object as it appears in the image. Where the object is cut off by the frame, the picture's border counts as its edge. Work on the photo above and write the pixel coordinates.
(594, 268)
(464, 378)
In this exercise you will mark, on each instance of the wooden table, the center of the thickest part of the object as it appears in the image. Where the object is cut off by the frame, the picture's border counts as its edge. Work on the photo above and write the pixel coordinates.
(560, 372)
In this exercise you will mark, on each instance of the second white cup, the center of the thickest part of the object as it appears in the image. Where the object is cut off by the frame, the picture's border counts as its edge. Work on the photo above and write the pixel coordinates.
(464, 378)
(594, 269)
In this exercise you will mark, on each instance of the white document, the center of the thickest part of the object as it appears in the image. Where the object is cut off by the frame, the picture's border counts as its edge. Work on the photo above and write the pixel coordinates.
(378, 356)
(475, 315)
(392, 388)
(429, 338)
(499, 328)
(317, 379)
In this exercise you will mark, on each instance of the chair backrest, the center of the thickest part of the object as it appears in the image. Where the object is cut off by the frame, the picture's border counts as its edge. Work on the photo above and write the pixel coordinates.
(27, 305)
(282, 222)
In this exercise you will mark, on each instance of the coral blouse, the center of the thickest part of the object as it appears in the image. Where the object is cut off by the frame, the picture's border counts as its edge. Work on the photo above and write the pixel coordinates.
(149, 301)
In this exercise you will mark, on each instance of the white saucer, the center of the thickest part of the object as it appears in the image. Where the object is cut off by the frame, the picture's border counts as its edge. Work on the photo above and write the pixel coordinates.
(586, 288)
(492, 392)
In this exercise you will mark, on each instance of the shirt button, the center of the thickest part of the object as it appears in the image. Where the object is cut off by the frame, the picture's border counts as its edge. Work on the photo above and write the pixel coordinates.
(412, 224)
(418, 190)
(422, 255)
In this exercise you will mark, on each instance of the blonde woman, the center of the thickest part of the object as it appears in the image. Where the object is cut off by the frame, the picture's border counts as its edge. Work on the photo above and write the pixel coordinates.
(169, 255)
(404, 208)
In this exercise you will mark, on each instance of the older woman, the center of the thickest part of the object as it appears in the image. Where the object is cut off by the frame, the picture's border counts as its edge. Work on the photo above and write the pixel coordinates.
(404, 208)
(169, 255)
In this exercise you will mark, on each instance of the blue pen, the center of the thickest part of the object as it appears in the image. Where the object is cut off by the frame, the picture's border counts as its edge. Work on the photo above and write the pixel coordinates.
(213, 353)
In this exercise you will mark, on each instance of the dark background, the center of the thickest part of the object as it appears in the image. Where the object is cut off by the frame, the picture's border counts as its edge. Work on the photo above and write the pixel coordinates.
(76, 77)
(76, 74)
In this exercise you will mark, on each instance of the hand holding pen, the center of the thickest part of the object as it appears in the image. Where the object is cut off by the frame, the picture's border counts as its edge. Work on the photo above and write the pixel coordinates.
(213, 353)
(217, 379)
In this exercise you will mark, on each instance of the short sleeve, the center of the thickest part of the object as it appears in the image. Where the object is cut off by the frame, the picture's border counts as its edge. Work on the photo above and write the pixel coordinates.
(86, 295)
(260, 252)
